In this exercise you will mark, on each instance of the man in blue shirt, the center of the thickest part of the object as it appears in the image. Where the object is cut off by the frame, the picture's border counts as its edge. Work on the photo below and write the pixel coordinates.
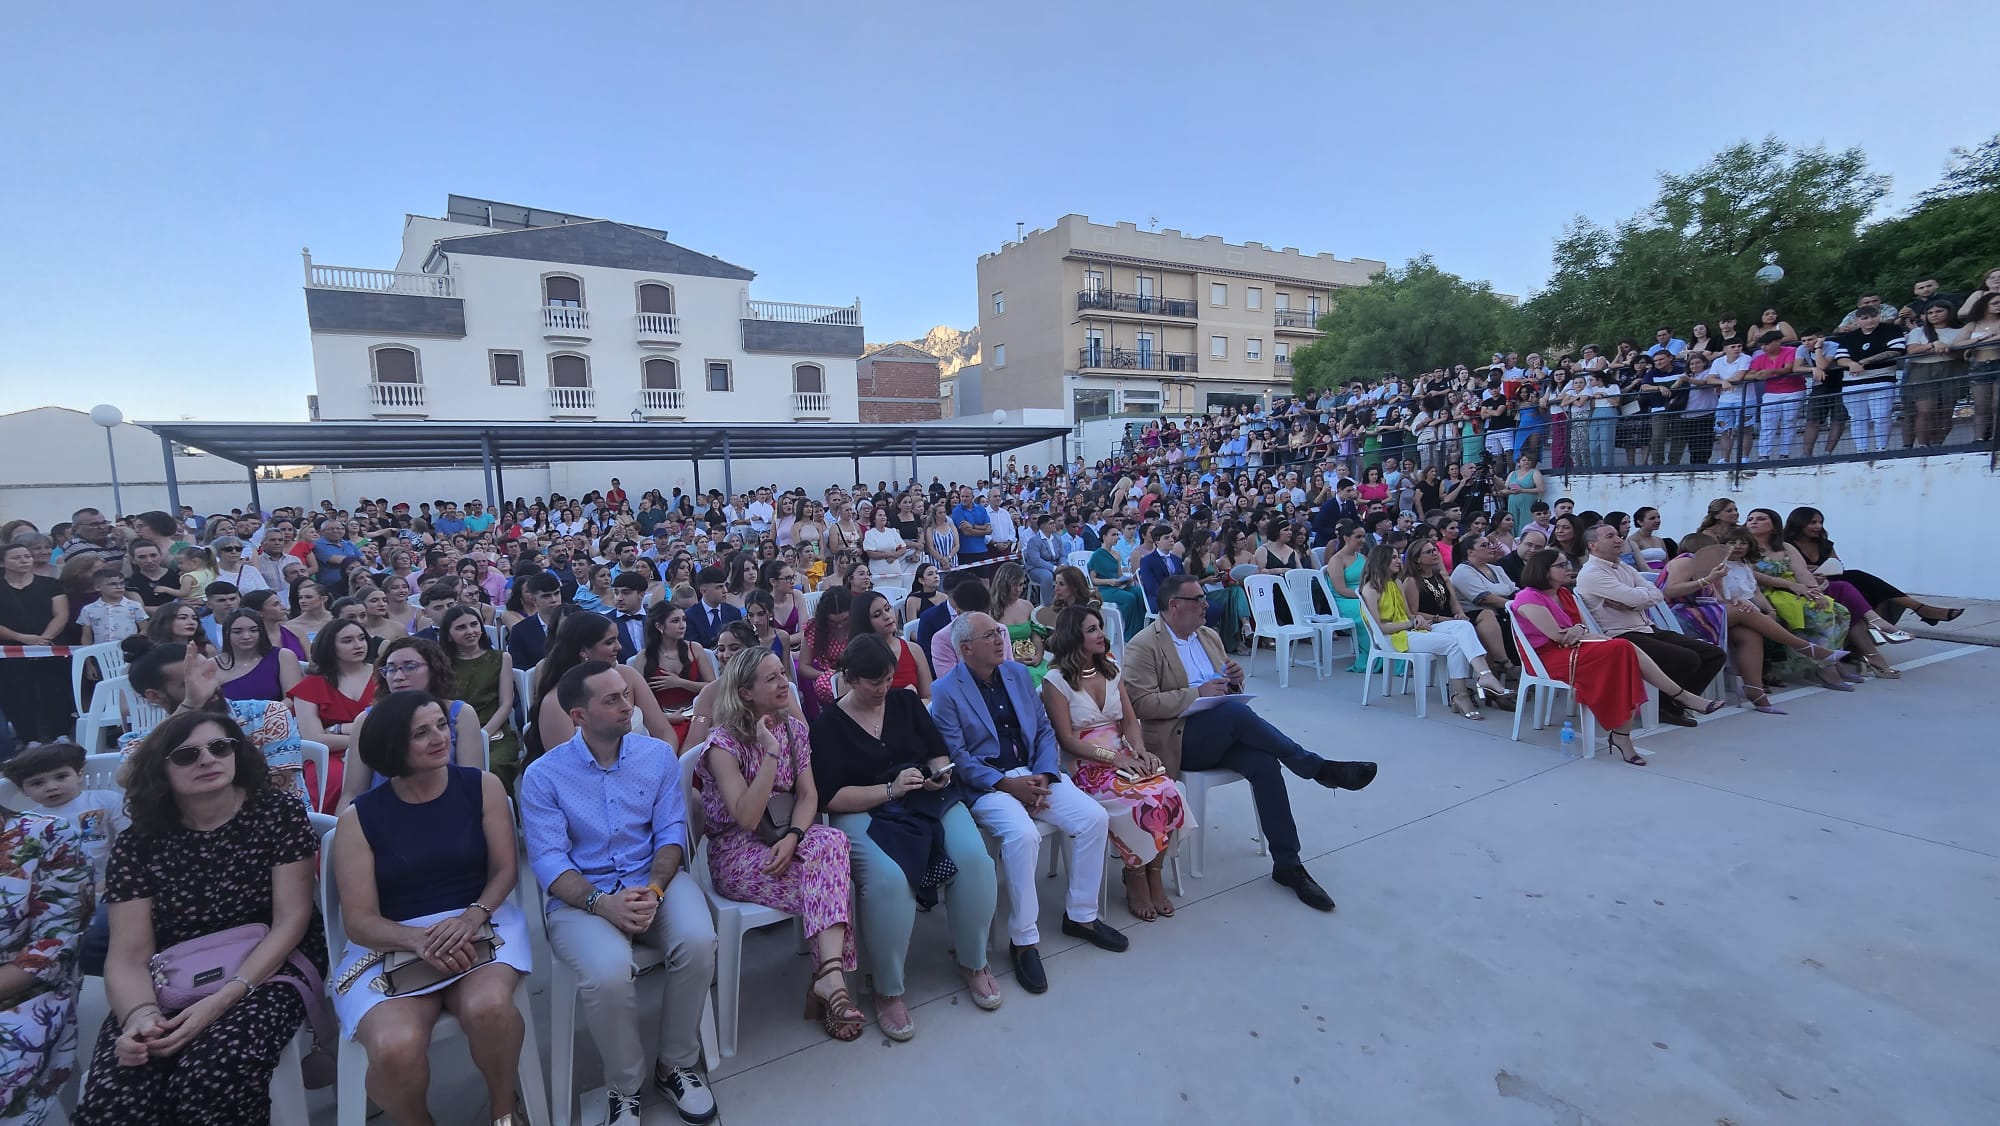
(477, 519)
(607, 837)
(1664, 340)
(974, 523)
(449, 522)
(331, 551)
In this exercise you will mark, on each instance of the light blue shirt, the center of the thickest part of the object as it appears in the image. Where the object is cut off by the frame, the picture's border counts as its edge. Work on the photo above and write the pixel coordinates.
(1674, 347)
(606, 825)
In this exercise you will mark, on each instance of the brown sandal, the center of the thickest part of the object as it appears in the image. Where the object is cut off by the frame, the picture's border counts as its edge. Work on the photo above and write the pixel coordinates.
(1138, 896)
(1161, 904)
(836, 1014)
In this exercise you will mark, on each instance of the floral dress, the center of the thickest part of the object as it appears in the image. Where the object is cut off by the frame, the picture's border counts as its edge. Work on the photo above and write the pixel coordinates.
(816, 887)
(1819, 620)
(1144, 814)
(45, 904)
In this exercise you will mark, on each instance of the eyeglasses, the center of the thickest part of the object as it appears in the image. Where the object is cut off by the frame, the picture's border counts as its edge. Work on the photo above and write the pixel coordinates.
(403, 668)
(218, 749)
(991, 635)
(1188, 598)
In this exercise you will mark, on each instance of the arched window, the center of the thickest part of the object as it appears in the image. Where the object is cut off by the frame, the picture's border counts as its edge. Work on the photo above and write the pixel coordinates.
(567, 370)
(395, 364)
(808, 378)
(660, 375)
(655, 298)
(562, 289)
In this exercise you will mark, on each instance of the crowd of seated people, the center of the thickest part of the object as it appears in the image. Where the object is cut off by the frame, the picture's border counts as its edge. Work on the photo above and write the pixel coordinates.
(470, 670)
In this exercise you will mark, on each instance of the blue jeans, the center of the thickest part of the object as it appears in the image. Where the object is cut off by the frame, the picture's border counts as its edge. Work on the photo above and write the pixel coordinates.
(1234, 737)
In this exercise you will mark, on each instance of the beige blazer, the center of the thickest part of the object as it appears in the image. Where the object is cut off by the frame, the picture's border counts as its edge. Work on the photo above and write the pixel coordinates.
(1159, 687)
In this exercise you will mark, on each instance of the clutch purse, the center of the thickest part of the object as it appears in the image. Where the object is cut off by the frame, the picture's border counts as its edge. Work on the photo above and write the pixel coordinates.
(405, 972)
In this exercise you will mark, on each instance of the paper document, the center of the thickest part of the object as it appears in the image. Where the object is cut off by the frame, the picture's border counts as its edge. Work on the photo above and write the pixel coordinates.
(1203, 703)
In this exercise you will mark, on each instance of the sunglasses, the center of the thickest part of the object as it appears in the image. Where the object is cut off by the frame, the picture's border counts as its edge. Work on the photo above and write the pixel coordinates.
(218, 749)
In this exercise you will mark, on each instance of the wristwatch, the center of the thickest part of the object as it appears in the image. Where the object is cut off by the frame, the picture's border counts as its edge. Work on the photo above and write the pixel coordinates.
(590, 901)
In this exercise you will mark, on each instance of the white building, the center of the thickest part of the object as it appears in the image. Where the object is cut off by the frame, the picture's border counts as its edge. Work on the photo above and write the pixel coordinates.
(501, 312)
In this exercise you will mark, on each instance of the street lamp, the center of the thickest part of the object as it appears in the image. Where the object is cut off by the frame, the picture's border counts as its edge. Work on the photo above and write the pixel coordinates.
(109, 417)
(638, 415)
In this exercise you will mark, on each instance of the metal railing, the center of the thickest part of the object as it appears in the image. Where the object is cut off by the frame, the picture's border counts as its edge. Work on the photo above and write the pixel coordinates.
(1134, 359)
(1103, 300)
(396, 396)
(1282, 368)
(805, 314)
(811, 404)
(662, 400)
(573, 400)
(659, 324)
(380, 281)
(1295, 318)
(567, 318)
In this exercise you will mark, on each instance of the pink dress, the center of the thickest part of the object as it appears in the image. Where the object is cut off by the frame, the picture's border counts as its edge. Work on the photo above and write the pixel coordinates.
(816, 885)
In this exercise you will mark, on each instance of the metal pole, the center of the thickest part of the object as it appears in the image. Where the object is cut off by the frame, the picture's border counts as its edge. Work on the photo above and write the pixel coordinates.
(697, 476)
(914, 475)
(173, 482)
(728, 480)
(499, 485)
(117, 499)
(857, 467)
(486, 464)
(256, 501)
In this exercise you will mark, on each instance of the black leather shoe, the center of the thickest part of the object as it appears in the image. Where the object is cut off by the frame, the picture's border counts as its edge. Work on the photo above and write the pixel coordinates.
(1304, 886)
(1678, 719)
(1097, 933)
(1345, 775)
(1028, 969)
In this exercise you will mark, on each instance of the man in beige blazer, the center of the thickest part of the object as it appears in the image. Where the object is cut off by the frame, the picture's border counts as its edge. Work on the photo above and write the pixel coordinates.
(1177, 661)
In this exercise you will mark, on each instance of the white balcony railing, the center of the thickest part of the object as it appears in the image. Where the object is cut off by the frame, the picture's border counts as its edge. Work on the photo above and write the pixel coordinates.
(811, 404)
(565, 318)
(806, 314)
(663, 401)
(659, 324)
(572, 400)
(395, 397)
(380, 281)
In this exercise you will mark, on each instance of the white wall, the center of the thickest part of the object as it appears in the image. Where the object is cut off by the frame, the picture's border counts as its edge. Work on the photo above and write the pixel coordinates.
(1916, 522)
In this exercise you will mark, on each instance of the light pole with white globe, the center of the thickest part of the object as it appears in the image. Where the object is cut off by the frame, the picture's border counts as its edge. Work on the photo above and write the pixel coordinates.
(110, 417)
(1770, 275)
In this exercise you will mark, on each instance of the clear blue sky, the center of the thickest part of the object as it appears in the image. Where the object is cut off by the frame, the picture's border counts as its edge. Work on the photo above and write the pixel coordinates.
(166, 164)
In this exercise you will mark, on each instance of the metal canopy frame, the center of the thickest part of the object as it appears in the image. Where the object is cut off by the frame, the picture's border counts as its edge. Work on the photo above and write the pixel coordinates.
(494, 445)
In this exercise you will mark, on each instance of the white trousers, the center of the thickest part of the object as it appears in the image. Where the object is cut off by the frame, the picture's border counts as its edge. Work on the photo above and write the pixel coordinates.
(1778, 423)
(1458, 641)
(1078, 816)
(1869, 409)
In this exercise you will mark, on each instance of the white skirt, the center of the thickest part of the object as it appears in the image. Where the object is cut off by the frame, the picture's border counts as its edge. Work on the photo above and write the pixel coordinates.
(353, 1003)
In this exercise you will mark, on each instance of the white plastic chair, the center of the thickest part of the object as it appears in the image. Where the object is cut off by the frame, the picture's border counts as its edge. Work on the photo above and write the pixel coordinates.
(1300, 582)
(1263, 591)
(497, 637)
(1381, 655)
(1649, 711)
(1319, 556)
(895, 595)
(318, 754)
(110, 658)
(808, 602)
(733, 918)
(1196, 784)
(1666, 621)
(562, 1014)
(524, 695)
(352, 1090)
(910, 630)
(1539, 688)
(1079, 559)
(1114, 630)
(106, 713)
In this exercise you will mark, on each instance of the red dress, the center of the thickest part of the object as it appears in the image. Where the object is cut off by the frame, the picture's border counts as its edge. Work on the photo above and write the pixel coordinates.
(671, 699)
(906, 667)
(334, 707)
(1604, 674)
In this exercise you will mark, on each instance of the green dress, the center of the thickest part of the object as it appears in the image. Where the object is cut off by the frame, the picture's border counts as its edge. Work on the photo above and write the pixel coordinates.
(1131, 604)
(1020, 640)
(479, 686)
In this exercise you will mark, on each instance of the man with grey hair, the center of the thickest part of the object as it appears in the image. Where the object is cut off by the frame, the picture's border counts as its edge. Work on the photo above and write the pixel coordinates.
(1618, 599)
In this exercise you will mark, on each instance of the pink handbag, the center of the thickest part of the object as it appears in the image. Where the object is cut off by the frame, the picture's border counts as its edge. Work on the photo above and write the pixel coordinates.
(188, 971)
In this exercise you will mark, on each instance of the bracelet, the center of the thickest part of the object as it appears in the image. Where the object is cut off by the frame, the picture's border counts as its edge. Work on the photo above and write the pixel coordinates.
(659, 893)
(136, 1010)
(888, 791)
(590, 901)
(239, 979)
(483, 907)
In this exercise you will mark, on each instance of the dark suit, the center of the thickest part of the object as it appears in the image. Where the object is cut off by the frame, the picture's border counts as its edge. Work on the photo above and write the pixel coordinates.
(1329, 516)
(631, 633)
(1152, 569)
(527, 641)
(929, 623)
(701, 630)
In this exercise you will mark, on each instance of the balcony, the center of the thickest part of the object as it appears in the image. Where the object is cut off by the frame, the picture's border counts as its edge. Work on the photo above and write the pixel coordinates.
(663, 402)
(391, 302)
(397, 400)
(1105, 301)
(813, 405)
(1282, 368)
(806, 314)
(565, 324)
(812, 330)
(1296, 320)
(659, 331)
(569, 402)
(1133, 359)
(380, 281)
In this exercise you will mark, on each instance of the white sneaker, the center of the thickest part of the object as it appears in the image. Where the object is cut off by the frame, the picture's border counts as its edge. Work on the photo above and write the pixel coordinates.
(685, 1088)
(623, 1110)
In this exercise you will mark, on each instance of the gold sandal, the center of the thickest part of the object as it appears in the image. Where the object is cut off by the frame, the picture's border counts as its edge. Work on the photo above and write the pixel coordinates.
(836, 1014)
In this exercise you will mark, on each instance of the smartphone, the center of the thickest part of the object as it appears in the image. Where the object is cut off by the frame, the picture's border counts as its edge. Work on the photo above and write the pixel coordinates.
(941, 773)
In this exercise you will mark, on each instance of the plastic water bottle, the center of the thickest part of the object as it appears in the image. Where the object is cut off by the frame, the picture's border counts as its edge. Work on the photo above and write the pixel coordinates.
(1569, 738)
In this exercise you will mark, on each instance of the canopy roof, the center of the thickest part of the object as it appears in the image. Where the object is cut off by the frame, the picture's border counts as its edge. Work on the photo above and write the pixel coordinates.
(414, 445)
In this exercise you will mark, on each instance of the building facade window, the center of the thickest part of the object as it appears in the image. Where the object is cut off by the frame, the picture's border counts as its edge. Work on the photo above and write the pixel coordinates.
(655, 297)
(1093, 347)
(999, 355)
(563, 290)
(720, 378)
(393, 363)
(660, 375)
(999, 302)
(1091, 402)
(1253, 348)
(1312, 306)
(1218, 293)
(1093, 282)
(569, 370)
(506, 368)
(1218, 347)
(808, 379)
(1284, 302)
(1281, 351)
(1253, 297)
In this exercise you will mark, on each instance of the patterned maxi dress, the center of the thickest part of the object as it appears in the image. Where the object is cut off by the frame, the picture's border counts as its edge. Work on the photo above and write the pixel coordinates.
(45, 904)
(1820, 620)
(816, 886)
(1144, 814)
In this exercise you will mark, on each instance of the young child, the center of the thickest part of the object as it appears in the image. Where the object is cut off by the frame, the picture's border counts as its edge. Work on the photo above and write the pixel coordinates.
(114, 616)
(51, 776)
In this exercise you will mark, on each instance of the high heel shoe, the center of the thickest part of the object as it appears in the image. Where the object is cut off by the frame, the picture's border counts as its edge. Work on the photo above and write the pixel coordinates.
(1882, 633)
(1628, 752)
(1824, 655)
(1498, 690)
(1682, 695)
(835, 1014)
(1760, 700)
(1932, 618)
(1883, 670)
(1461, 704)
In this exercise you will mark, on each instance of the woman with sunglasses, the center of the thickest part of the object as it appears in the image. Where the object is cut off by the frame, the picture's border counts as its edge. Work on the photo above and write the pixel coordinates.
(212, 847)
(412, 664)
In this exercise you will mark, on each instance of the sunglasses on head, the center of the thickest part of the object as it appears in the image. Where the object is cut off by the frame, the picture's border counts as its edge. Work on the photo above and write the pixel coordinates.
(218, 749)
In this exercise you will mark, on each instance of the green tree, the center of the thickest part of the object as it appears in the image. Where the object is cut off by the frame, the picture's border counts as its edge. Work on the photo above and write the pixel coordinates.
(1407, 319)
(1693, 255)
(1953, 233)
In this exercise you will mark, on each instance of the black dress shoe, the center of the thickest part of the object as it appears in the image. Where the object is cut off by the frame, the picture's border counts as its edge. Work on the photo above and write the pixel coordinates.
(1097, 933)
(1028, 969)
(1302, 884)
(1345, 775)
(1678, 719)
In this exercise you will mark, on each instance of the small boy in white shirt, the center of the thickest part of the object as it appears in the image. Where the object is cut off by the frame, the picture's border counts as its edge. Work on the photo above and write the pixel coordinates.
(115, 616)
(51, 776)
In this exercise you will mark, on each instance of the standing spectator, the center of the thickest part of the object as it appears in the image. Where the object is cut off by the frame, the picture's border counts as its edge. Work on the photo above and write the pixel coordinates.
(1870, 353)
(1777, 370)
(90, 531)
(34, 691)
(1933, 383)
(331, 553)
(114, 616)
(973, 523)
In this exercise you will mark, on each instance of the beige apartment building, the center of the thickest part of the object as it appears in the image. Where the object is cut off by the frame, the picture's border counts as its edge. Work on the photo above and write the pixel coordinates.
(1100, 320)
